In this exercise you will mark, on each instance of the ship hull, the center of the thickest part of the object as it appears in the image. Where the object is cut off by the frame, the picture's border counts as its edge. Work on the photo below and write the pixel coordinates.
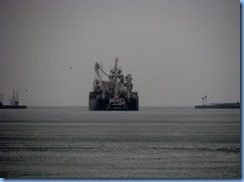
(97, 104)
(103, 105)
(13, 107)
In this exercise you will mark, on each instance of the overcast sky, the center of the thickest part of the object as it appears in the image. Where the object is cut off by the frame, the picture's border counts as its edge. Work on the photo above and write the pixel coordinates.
(176, 50)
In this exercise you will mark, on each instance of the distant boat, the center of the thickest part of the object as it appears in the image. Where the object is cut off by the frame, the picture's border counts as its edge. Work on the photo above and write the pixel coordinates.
(14, 102)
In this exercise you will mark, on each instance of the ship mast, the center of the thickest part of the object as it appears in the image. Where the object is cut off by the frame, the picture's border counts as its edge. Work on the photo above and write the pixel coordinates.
(97, 67)
(116, 78)
(17, 96)
(1, 99)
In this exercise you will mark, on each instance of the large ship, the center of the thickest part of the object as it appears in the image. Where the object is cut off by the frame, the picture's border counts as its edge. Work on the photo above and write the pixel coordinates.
(115, 93)
(14, 102)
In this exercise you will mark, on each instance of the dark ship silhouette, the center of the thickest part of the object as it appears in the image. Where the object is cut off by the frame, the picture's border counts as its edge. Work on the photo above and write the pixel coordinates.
(14, 102)
(114, 94)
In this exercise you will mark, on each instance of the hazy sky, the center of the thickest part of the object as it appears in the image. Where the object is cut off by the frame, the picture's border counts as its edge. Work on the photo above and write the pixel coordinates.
(176, 50)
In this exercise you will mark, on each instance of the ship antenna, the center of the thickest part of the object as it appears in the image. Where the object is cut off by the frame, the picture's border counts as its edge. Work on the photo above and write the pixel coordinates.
(102, 69)
(1, 100)
(13, 96)
(116, 63)
(17, 96)
(116, 77)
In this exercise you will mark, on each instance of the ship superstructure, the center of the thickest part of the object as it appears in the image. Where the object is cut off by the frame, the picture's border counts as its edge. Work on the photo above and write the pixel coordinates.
(115, 93)
(14, 101)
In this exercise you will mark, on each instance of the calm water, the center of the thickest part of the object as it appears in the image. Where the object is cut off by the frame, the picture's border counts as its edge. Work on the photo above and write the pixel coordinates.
(150, 143)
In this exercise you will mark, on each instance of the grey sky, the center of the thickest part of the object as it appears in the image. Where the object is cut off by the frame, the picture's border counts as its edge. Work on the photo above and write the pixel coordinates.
(176, 50)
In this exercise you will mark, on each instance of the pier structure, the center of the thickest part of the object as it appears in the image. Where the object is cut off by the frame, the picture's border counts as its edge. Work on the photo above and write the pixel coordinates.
(204, 105)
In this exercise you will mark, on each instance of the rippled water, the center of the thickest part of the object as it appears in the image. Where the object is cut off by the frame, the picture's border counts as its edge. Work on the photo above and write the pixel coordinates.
(150, 143)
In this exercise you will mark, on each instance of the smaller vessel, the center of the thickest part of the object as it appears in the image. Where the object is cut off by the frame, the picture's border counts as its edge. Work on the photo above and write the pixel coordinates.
(14, 102)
